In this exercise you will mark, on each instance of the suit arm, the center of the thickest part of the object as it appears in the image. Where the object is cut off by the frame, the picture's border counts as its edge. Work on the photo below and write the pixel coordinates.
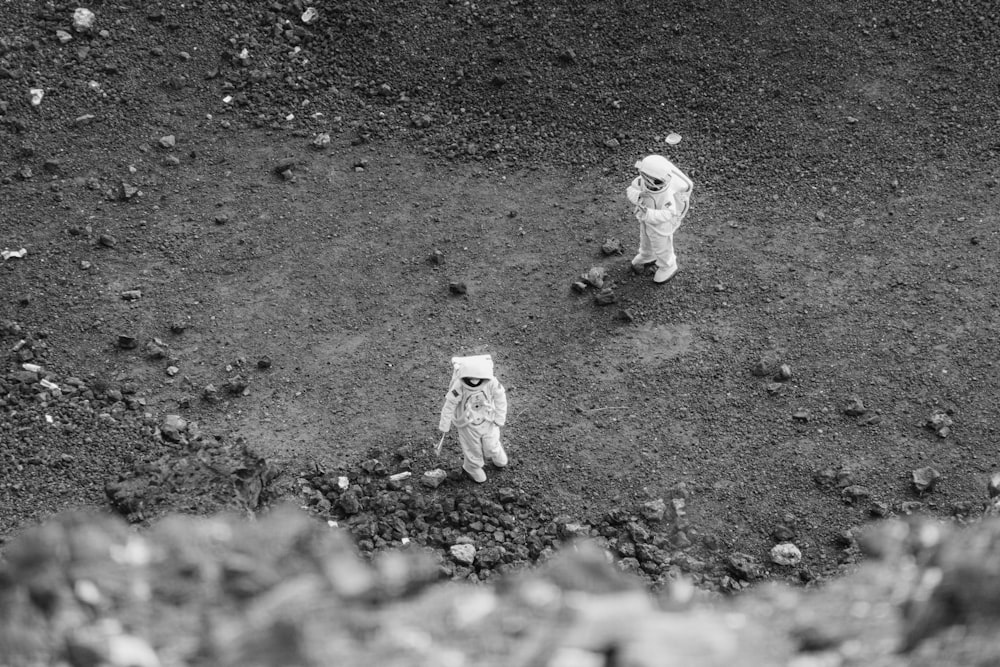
(499, 404)
(448, 410)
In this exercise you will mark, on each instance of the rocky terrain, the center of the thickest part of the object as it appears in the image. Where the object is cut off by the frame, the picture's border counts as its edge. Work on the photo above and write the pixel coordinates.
(241, 241)
(288, 590)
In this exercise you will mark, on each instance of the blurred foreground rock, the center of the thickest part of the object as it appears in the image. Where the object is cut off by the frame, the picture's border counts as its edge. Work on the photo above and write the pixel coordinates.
(287, 589)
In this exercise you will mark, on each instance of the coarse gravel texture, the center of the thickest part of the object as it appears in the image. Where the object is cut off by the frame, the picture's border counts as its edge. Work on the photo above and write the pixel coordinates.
(273, 211)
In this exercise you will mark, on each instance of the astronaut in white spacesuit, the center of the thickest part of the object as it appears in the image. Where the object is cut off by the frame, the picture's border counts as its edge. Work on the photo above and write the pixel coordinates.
(660, 196)
(476, 403)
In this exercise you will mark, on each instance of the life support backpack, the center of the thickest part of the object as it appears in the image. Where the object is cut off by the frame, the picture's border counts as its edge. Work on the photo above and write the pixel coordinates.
(682, 194)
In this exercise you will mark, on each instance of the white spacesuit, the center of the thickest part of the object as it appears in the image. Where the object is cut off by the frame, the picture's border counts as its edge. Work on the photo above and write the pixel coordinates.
(660, 197)
(476, 403)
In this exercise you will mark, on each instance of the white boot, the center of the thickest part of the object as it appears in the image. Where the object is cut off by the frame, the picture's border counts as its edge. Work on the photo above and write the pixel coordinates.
(640, 261)
(663, 275)
(477, 474)
(500, 458)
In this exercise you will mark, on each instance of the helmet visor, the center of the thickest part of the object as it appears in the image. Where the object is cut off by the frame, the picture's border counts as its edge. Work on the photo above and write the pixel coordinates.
(652, 183)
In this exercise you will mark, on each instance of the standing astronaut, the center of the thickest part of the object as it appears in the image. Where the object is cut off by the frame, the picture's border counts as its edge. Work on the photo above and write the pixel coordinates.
(660, 197)
(476, 403)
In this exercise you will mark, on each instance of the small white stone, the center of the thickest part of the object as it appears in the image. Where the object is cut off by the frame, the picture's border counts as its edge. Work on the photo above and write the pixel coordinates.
(786, 553)
(83, 19)
(463, 553)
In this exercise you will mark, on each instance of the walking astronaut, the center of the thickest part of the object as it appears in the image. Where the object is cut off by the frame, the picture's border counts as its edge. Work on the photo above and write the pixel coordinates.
(476, 403)
(660, 195)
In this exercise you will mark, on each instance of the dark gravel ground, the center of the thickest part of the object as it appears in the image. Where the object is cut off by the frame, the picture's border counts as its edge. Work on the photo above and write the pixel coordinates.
(887, 108)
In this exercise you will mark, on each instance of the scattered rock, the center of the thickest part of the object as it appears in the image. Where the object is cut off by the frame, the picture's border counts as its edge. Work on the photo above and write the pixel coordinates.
(744, 566)
(284, 166)
(126, 191)
(854, 494)
(421, 121)
(434, 478)
(128, 497)
(173, 428)
(605, 297)
(855, 407)
(457, 288)
(782, 533)
(940, 422)
(612, 246)
(925, 479)
(126, 342)
(237, 385)
(350, 502)
(595, 276)
(10, 328)
(786, 553)
(83, 20)
(653, 510)
(880, 509)
(829, 478)
(766, 366)
(168, 141)
(463, 553)
(155, 351)
(568, 57)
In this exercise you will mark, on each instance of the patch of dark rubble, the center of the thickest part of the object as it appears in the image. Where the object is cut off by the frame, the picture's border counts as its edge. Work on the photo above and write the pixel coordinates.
(481, 532)
(68, 441)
